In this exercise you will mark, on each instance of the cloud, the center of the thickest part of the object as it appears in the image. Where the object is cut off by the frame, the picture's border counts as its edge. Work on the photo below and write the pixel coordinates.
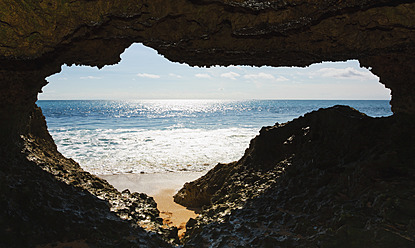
(265, 76)
(260, 75)
(146, 75)
(346, 73)
(202, 75)
(90, 77)
(281, 79)
(231, 75)
(175, 75)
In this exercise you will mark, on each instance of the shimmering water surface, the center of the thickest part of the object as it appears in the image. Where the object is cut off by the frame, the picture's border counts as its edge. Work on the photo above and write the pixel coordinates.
(109, 137)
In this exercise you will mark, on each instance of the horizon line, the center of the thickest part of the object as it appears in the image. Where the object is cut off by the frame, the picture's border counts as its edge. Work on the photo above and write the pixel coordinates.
(219, 99)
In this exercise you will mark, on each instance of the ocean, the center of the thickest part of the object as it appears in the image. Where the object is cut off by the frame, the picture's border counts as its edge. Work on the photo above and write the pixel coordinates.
(151, 136)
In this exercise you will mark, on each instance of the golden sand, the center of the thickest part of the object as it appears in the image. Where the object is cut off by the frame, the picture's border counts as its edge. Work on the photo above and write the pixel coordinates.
(162, 187)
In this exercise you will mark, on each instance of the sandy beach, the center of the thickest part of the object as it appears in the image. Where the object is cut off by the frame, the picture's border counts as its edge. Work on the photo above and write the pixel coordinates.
(162, 187)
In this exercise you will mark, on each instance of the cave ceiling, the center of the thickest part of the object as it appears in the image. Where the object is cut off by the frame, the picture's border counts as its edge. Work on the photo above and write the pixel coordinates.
(39, 36)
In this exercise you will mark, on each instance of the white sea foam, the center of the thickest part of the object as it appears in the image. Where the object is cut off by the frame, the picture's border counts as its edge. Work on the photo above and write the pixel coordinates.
(108, 137)
(112, 151)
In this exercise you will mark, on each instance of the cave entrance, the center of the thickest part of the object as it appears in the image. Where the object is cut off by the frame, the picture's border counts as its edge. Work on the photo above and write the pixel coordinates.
(153, 122)
(149, 109)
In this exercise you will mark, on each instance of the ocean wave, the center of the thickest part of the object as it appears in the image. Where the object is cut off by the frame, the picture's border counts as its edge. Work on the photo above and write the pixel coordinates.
(108, 137)
(109, 151)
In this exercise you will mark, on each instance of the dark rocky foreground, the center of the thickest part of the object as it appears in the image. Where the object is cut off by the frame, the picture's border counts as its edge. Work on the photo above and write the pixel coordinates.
(333, 178)
(47, 199)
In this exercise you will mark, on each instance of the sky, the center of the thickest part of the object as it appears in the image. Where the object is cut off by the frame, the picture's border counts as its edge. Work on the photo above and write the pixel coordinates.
(144, 74)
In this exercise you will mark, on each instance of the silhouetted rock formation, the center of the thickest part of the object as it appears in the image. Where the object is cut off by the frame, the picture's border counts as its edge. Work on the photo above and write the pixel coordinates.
(328, 179)
(47, 198)
(37, 37)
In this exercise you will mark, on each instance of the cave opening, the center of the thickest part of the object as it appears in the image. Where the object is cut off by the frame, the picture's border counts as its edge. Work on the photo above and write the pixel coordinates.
(147, 92)
(149, 123)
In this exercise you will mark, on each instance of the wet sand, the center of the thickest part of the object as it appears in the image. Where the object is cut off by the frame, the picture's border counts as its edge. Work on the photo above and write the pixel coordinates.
(162, 187)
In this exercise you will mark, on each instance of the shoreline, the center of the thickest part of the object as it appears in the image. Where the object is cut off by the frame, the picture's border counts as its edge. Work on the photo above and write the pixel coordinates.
(162, 187)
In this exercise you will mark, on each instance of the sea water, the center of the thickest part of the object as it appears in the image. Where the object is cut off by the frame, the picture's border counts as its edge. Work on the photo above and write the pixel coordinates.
(149, 136)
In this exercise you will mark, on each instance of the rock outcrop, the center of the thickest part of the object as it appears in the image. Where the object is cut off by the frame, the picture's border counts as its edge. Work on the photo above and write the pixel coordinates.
(333, 178)
(38, 37)
(48, 199)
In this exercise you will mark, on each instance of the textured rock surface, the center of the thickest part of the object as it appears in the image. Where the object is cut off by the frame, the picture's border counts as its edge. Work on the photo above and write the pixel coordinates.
(37, 37)
(328, 179)
(47, 198)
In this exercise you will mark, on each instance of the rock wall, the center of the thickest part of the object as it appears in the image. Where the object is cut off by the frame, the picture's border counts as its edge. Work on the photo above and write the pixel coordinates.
(37, 37)
(48, 199)
(333, 178)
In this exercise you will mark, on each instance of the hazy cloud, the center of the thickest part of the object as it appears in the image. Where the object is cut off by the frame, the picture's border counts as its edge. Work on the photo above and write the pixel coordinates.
(281, 79)
(231, 75)
(346, 73)
(175, 75)
(265, 76)
(260, 75)
(90, 77)
(146, 75)
(202, 75)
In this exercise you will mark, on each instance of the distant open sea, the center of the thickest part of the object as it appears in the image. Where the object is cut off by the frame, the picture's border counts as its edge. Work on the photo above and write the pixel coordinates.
(111, 137)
